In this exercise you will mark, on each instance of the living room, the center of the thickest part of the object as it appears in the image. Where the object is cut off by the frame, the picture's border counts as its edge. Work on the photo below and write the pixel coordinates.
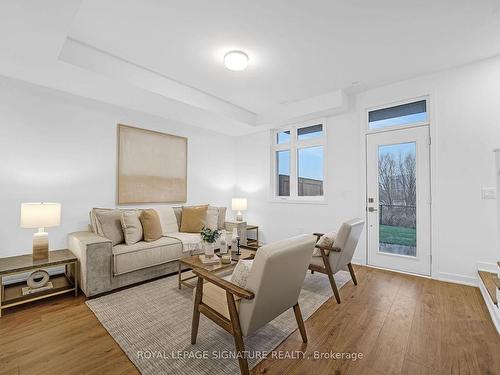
(346, 152)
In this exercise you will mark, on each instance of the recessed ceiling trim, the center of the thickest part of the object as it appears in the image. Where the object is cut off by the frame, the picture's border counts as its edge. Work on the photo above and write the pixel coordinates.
(81, 54)
(331, 103)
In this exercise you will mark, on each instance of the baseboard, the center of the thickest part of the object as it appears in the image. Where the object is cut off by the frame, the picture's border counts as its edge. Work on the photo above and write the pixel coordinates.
(492, 308)
(456, 278)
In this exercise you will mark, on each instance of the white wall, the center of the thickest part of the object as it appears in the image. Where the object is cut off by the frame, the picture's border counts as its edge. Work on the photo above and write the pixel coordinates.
(465, 115)
(62, 148)
(280, 220)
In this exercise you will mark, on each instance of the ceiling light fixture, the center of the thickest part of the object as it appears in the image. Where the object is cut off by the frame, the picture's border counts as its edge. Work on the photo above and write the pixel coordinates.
(236, 60)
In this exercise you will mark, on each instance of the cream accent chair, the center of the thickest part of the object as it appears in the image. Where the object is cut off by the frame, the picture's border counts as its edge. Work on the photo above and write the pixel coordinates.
(273, 286)
(340, 255)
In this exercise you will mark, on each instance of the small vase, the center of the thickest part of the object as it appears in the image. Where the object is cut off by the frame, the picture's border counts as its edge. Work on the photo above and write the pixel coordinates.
(223, 244)
(209, 249)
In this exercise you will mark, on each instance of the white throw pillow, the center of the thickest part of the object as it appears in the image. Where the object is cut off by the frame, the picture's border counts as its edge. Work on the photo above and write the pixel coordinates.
(326, 240)
(168, 221)
(132, 227)
(241, 272)
(212, 218)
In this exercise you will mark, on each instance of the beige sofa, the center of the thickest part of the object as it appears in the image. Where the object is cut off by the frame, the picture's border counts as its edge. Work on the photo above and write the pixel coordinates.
(104, 267)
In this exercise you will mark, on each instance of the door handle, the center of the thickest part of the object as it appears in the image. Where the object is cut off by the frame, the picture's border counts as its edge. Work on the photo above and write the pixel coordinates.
(372, 209)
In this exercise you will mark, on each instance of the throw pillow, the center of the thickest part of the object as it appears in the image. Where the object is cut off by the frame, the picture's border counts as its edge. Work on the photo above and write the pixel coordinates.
(326, 240)
(110, 225)
(221, 224)
(193, 219)
(212, 218)
(132, 227)
(150, 225)
(241, 272)
(168, 221)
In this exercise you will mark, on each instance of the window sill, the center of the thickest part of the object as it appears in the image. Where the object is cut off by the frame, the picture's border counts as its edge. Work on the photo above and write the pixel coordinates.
(322, 201)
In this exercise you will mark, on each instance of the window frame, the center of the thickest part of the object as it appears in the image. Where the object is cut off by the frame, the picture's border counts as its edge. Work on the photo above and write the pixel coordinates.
(294, 146)
(394, 104)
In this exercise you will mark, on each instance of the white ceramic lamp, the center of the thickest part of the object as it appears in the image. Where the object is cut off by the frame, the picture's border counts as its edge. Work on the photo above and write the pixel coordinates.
(239, 204)
(41, 216)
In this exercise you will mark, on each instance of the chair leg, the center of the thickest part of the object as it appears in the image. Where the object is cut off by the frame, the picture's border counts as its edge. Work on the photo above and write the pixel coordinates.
(334, 287)
(238, 336)
(312, 272)
(300, 322)
(330, 275)
(196, 311)
(353, 275)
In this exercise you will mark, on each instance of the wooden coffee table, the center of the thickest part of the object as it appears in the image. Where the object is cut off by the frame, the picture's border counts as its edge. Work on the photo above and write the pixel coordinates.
(195, 262)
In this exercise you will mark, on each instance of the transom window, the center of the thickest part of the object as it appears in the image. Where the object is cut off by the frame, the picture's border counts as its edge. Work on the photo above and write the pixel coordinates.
(298, 157)
(407, 114)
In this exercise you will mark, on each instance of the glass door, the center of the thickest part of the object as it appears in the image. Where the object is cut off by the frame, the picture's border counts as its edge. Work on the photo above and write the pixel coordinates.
(398, 200)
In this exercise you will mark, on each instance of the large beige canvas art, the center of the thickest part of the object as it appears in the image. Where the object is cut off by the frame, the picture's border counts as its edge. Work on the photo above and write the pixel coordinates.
(152, 166)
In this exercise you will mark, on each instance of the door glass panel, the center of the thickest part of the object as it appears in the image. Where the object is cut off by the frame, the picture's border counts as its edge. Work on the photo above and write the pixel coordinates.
(283, 168)
(397, 186)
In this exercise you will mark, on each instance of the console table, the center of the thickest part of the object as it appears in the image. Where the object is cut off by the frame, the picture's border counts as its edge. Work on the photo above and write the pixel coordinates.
(12, 295)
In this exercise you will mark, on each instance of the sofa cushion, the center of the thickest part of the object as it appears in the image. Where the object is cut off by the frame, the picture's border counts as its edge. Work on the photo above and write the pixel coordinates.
(128, 258)
(168, 220)
(109, 225)
(150, 225)
(193, 218)
(131, 226)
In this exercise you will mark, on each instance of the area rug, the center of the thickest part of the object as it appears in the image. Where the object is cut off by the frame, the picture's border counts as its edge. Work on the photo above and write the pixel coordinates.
(152, 324)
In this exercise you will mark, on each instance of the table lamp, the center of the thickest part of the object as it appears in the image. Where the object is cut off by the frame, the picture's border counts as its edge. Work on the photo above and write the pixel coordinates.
(239, 204)
(41, 216)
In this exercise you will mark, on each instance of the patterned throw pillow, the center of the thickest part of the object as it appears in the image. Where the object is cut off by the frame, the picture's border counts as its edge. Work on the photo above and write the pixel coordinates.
(326, 240)
(241, 272)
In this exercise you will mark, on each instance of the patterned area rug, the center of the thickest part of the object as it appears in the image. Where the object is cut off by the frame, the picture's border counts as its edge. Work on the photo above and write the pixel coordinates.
(152, 324)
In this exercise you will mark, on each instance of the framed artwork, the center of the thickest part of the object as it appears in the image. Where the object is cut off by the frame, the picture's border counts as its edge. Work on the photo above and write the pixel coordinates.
(152, 166)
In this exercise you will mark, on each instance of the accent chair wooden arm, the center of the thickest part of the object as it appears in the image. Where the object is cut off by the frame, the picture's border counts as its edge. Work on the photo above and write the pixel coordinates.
(318, 236)
(224, 284)
(338, 250)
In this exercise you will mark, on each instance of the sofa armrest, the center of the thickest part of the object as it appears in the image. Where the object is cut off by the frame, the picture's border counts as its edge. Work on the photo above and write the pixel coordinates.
(95, 257)
(241, 227)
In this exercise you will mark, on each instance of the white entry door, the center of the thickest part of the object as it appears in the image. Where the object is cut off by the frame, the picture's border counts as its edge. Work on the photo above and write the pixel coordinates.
(398, 200)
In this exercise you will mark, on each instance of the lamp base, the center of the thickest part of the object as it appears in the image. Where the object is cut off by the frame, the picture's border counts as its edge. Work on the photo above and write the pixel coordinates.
(239, 216)
(41, 246)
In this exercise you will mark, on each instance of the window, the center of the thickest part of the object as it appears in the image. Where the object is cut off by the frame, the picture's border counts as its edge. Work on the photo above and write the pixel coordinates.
(299, 162)
(399, 115)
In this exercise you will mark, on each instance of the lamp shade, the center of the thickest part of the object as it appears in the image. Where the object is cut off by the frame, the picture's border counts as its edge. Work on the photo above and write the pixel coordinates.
(40, 215)
(239, 204)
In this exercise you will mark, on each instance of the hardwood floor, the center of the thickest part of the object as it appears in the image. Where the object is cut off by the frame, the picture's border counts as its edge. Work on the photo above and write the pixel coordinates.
(400, 323)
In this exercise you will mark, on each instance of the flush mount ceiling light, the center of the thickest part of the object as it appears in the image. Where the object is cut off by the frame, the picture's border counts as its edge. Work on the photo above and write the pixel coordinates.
(236, 60)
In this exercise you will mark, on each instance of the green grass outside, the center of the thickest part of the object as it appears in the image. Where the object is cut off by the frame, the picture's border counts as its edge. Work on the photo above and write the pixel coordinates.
(398, 235)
